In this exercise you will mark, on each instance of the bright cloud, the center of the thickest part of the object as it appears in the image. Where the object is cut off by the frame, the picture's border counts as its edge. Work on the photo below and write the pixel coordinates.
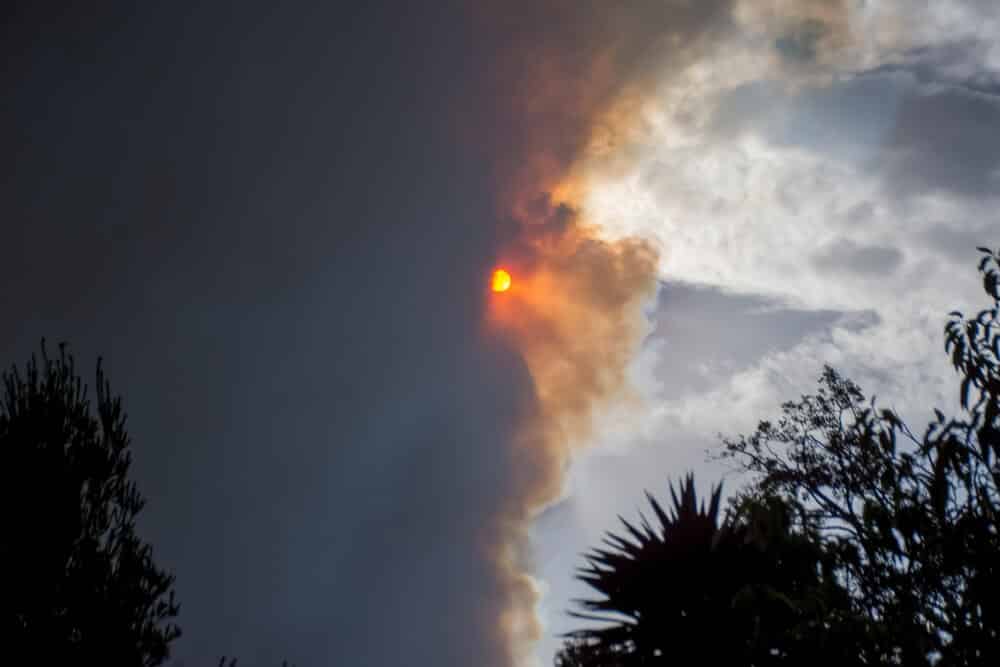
(817, 185)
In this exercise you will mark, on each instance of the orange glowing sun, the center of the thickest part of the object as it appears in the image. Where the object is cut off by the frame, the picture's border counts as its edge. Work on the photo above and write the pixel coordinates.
(501, 281)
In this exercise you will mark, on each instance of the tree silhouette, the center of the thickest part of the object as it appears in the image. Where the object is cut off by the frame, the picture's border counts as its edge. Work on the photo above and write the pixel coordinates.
(910, 524)
(857, 542)
(692, 589)
(233, 662)
(79, 586)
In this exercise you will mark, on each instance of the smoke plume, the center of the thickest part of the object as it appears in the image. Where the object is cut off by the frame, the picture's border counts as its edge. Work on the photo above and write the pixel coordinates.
(568, 89)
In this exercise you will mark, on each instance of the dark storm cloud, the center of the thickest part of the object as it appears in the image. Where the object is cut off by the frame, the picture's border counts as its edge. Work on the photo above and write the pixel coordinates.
(956, 239)
(849, 121)
(860, 214)
(562, 67)
(802, 42)
(946, 135)
(263, 221)
(923, 126)
(735, 331)
(956, 64)
(847, 256)
(947, 140)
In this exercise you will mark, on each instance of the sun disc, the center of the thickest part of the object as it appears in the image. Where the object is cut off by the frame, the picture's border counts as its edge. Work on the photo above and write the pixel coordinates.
(501, 281)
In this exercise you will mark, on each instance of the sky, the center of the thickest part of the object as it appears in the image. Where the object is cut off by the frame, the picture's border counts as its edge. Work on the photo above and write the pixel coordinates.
(277, 227)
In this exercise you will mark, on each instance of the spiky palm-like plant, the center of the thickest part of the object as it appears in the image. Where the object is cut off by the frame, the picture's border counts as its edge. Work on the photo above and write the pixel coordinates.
(742, 591)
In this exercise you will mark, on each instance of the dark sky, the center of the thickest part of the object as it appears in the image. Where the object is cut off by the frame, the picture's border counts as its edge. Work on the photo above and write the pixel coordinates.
(271, 224)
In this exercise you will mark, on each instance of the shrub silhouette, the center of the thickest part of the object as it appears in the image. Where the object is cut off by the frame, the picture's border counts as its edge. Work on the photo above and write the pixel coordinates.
(690, 588)
(911, 523)
(79, 586)
(856, 541)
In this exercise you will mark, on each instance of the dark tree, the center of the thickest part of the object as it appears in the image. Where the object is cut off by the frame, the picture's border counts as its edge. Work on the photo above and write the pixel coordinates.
(692, 590)
(911, 524)
(591, 653)
(78, 585)
(233, 662)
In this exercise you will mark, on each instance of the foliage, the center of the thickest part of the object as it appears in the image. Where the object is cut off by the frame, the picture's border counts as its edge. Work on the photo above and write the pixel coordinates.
(592, 653)
(856, 542)
(79, 586)
(232, 662)
(909, 524)
(669, 594)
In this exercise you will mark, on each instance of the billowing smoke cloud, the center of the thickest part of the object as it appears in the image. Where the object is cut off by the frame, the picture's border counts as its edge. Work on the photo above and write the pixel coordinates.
(801, 32)
(574, 312)
(562, 106)
(567, 92)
